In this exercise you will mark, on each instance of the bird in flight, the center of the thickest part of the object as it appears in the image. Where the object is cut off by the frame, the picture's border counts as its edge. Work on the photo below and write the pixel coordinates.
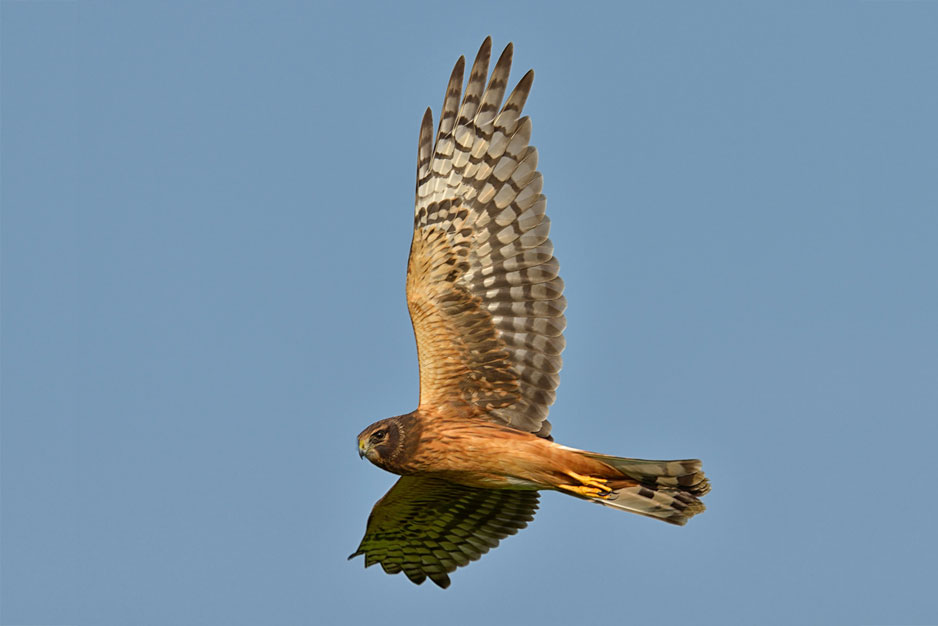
(487, 308)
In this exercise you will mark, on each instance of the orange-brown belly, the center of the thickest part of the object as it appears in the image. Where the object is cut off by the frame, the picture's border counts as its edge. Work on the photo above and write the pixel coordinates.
(485, 454)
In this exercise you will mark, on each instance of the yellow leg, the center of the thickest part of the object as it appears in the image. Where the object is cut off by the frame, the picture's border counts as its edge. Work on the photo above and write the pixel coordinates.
(591, 492)
(589, 481)
(591, 487)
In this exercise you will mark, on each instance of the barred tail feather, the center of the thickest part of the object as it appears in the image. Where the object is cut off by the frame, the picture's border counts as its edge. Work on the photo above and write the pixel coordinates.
(684, 475)
(665, 490)
(672, 506)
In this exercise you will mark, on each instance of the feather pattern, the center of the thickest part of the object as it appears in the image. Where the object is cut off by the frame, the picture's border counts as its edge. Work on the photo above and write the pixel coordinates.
(427, 527)
(665, 490)
(483, 289)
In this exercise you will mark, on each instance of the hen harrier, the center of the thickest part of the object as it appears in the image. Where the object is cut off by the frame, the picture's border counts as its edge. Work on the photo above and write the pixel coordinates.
(487, 309)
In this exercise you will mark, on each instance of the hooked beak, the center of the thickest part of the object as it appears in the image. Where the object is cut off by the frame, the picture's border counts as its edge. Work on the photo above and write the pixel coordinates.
(361, 449)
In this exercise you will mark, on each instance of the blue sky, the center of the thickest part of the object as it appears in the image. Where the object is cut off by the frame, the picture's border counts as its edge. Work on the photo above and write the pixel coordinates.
(206, 211)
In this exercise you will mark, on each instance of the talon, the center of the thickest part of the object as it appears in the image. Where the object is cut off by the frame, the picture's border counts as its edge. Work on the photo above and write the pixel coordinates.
(599, 484)
(589, 492)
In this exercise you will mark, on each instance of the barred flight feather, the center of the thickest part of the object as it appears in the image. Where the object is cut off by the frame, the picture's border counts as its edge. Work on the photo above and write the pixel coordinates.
(483, 286)
(427, 527)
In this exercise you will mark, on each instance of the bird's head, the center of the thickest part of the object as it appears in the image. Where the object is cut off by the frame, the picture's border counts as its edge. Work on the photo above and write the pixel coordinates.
(385, 443)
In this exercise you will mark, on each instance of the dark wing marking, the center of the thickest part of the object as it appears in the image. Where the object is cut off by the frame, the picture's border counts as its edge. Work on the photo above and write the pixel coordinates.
(483, 288)
(427, 527)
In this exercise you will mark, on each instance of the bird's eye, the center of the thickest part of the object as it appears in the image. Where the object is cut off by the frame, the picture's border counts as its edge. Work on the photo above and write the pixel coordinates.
(379, 434)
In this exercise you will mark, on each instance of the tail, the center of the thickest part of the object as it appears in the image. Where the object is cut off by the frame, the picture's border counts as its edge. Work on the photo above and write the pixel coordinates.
(665, 490)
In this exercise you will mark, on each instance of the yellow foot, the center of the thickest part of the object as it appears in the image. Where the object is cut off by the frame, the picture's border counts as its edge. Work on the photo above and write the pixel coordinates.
(590, 481)
(591, 487)
(590, 492)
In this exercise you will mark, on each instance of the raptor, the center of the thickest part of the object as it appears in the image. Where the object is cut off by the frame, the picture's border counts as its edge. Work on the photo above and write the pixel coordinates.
(487, 307)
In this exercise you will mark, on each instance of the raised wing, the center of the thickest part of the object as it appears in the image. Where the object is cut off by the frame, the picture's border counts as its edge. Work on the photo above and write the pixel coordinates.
(427, 527)
(482, 286)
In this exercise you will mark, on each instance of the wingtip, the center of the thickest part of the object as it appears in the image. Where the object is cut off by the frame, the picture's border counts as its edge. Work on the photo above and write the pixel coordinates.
(504, 59)
(459, 68)
(486, 45)
(442, 580)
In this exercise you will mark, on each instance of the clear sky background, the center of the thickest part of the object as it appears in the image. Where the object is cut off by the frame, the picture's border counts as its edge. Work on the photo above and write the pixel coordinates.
(206, 212)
